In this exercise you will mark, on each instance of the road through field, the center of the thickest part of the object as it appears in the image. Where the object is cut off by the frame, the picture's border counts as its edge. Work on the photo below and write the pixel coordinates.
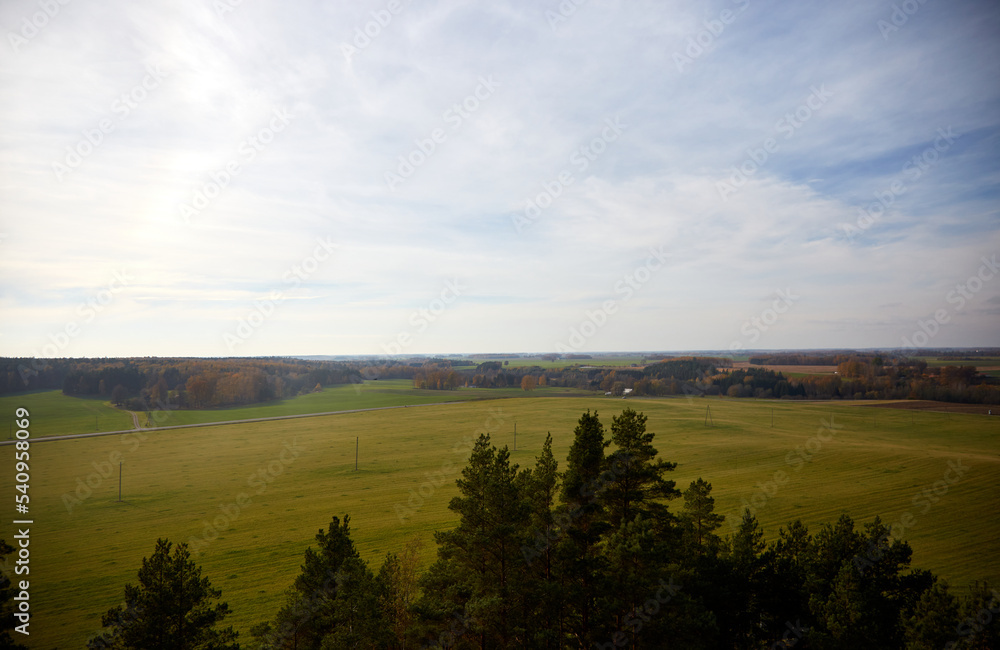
(135, 419)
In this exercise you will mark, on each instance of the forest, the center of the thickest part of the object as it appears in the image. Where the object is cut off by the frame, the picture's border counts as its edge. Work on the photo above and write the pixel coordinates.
(605, 552)
(148, 383)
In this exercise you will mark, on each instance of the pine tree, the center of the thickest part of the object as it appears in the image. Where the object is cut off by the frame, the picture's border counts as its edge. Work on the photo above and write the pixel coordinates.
(542, 598)
(170, 609)
(581, 522)
(480, 572)
(635, 478)
(932, 624)
(699, 518)
(333, 601)
(750, 564)
(978, 627)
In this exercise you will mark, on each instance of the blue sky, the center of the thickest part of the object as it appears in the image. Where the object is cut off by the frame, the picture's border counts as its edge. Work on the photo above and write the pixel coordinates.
(251, 178)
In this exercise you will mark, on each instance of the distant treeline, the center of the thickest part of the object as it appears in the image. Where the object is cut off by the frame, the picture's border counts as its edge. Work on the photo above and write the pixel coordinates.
(142, 383)
(151, 383)
(859, 376)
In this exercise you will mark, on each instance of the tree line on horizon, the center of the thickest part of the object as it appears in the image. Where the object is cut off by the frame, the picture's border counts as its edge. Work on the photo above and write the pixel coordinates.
(145, 384)
(857, 377)
(150, 384)
(591, 556)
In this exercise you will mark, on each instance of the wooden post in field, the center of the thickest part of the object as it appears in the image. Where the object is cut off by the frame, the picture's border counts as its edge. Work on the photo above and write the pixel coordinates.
(772, 417)
(515, 435)
(357, 444)
(119, 481)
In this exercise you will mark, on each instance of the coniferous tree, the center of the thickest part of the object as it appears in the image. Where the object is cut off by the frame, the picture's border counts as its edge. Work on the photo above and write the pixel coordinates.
(480, 572)
(978, 627)
(170, 609)
(542, 600)
(582, 522)
(334, 601)
(932, 624)
(635, 477)
(699, 520)
(635, 490)
(749, 564)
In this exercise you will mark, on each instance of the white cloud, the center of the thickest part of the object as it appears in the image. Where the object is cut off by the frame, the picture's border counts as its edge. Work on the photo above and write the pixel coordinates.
(655, 185)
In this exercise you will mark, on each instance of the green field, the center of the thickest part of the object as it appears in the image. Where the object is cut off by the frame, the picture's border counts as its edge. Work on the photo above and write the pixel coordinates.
(176, 482)
(59, 414)
(937, 362)
(54, 413)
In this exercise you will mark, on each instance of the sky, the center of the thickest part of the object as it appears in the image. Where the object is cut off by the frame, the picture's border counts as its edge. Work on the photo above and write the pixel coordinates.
(247, 178)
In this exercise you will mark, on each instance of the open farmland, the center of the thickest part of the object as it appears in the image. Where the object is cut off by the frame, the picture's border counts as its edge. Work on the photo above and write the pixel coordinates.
(297, 473)
(58, 414)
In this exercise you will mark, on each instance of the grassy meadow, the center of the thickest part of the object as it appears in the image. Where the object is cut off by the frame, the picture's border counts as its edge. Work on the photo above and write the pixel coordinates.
(53, 413)
(58, 414)
(297, 473)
